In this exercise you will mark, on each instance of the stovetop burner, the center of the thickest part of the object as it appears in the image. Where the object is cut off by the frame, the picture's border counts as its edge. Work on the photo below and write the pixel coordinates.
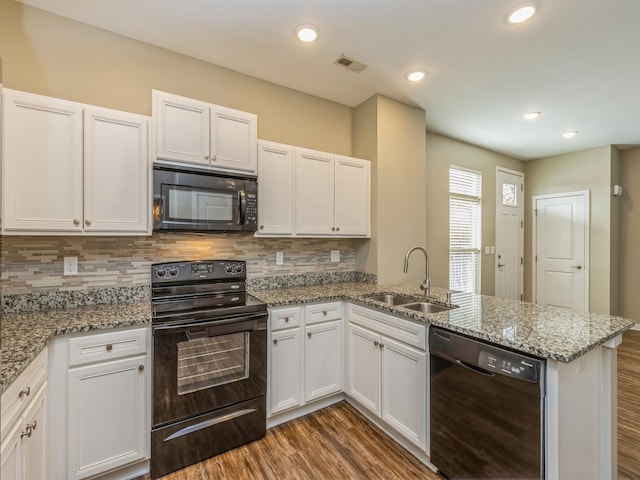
(200, 291)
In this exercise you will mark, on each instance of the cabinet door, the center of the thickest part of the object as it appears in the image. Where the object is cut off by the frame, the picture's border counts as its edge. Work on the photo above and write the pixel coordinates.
(182, 128)
(285, 370)
(314, 193)
(323, 359)
(352, 196)
(275, 189)
(404, 380)
(363, 367)
(42, 178)
(11, 463)
(107, 421)
(234, 136)
(116, 174)
(34, 452)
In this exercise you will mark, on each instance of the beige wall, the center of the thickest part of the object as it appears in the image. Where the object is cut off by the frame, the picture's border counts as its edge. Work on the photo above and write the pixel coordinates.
(571, 172)
(58, 57)
(630, 220)
(393, 134)
(441, 153)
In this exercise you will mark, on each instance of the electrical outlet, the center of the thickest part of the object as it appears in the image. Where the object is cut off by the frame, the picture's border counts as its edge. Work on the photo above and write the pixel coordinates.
(70, 266)
(335, 256)
(279, 258)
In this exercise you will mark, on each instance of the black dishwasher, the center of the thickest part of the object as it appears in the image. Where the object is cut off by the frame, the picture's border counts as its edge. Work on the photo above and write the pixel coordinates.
(486, 409)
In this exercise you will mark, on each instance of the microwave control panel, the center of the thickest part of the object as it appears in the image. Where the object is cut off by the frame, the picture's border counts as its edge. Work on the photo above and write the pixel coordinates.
(252, 209)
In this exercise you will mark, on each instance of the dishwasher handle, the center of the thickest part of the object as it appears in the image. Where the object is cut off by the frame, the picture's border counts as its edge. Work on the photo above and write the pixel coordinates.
(475, 369)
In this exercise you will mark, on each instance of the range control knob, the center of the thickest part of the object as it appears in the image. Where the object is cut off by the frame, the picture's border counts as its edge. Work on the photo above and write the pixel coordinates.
(228, 268)
(173, 271)
(240, 268)
(161, 272)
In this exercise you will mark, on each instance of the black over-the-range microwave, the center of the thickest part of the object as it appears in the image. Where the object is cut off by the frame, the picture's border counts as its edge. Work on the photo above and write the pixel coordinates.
(198, 200)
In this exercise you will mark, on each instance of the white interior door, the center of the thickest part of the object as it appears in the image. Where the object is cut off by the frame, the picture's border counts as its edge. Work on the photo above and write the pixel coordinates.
(561, 249)
(509, 259)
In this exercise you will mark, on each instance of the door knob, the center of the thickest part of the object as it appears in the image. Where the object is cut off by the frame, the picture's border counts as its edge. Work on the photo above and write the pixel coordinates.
(577, 267)
(501, 265)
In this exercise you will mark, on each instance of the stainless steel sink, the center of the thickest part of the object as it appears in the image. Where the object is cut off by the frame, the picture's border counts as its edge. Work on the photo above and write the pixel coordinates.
(427, 307)
(392, 299)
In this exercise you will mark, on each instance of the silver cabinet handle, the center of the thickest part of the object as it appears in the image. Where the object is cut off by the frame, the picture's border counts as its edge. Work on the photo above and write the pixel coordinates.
(214, 158)
(324, 312)
(333, 229)
(261, 227)
(309, 334)
(109, 347)
(275, 341)
(286, 319)
(25, 392)
(76, 221)
(206, 157)
(381, 345)
(87, 222)
(577, 267)
(33, 425)
(337, 229)
(375, 343)
(26, 433)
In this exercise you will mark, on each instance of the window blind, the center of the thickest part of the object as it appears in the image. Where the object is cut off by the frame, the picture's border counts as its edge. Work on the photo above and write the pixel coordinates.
(465, 222)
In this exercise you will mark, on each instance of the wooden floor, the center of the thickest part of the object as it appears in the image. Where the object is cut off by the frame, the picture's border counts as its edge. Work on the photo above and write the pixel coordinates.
(339, 443)
(629, 406)
(334, 443)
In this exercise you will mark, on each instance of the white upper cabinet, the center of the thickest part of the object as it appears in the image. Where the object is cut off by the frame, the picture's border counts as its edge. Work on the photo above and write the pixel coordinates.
(182, 128)
(57, 182)
(275, 189)
(314, 193)
(115, 172)
(42, 164)
(192, 131)
(352, 197)
(333, 195)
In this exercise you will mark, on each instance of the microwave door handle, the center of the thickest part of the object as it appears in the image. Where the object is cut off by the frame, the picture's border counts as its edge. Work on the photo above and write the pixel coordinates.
(242, 207)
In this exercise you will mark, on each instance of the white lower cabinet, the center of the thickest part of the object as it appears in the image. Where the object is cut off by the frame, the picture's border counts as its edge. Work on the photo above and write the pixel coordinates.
(305, 354)
(387, 376)
(285, 374)
(107, 427)
(24, 427)
(101, 409)
(323, 359)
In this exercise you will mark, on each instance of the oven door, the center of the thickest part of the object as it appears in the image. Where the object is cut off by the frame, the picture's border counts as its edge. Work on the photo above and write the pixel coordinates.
(200, 367)
(195, 201)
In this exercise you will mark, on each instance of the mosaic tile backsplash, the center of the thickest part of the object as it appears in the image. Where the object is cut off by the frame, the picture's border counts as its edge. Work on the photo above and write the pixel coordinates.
(33, 265)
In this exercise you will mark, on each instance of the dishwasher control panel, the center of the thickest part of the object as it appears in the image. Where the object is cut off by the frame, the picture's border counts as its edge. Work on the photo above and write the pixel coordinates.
(509, 364)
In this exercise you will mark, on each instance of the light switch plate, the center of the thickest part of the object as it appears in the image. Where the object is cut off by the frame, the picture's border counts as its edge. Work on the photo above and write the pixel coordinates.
(279, 258)
(335, 256)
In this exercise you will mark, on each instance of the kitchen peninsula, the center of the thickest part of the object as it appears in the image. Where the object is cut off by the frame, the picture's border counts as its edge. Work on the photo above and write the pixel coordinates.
(579, 349)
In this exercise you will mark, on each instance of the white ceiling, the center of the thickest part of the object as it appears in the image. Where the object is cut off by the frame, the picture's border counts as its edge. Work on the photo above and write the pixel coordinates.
(576, 61)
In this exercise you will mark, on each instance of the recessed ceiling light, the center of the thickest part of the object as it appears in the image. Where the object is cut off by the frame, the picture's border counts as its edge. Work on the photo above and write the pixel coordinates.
(307, 33)
(521, 13)
(531, 115)
(416, 76)
(569, 134)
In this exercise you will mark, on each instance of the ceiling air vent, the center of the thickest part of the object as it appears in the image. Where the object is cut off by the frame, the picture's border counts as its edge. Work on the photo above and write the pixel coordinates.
(350, 64)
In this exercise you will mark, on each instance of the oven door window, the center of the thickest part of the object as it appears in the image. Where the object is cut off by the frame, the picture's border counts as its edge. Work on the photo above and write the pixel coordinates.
(198, 205)
(212, 361)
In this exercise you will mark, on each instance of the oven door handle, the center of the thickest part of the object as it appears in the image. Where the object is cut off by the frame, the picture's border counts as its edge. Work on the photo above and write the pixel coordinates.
(204, 325)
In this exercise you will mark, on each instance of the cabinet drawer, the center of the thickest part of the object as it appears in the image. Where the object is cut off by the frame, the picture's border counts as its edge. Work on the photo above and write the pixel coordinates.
(107, 346)
(16, 398)
(323, 312)
(405, 331)
(285, 317)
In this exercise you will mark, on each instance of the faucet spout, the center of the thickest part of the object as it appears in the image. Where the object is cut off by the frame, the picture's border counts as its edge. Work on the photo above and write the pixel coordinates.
(426, 286)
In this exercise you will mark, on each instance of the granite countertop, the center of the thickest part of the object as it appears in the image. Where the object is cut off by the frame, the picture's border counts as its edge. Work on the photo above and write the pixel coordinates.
(25, 335)
(547, 332)
(544, 331)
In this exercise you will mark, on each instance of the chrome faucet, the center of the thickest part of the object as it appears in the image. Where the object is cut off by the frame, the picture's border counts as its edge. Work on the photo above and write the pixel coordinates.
(426, 286)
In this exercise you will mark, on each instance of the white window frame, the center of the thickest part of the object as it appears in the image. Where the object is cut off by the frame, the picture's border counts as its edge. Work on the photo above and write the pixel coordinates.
(476, 248)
